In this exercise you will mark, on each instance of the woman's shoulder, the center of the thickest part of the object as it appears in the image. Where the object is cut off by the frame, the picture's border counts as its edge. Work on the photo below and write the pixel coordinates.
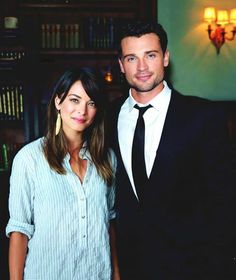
(31, 150)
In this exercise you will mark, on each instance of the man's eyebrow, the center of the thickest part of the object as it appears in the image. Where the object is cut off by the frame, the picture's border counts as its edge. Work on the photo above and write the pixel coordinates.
(156, 51)
(132, 54)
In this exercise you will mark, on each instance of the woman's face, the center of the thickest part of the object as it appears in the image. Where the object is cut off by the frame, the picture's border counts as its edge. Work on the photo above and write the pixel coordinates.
(77, 110)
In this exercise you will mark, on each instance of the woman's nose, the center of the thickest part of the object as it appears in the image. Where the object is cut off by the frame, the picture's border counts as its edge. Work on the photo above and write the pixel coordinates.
(82, 108)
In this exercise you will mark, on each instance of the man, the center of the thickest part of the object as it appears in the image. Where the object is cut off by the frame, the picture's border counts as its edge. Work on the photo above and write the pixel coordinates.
(175, 210)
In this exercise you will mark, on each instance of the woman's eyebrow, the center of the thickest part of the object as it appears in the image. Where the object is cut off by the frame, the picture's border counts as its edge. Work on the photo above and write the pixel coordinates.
(75, 95)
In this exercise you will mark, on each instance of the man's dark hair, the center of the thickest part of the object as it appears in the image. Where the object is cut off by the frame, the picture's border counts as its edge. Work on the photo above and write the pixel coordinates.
(137, 28)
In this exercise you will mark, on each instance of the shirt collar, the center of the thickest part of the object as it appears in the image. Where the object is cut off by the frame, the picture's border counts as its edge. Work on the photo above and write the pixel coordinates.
(83, 153)
(157, 102)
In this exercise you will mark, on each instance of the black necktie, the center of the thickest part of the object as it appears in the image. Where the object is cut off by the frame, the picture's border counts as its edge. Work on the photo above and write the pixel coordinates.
(138, 159)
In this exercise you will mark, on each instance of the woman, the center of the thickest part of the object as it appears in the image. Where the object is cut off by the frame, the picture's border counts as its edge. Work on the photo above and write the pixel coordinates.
(62, 190)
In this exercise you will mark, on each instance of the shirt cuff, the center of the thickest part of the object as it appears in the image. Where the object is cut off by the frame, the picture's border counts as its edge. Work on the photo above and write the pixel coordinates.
(15, 226)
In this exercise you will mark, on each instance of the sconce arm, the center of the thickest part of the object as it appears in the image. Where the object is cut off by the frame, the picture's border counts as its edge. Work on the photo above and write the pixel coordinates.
(232, 36)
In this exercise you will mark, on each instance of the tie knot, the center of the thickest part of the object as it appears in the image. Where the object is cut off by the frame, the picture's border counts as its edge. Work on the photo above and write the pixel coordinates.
(142, 110)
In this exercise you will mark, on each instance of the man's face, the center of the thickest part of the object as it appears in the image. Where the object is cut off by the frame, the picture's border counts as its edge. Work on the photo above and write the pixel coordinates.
(143, 63)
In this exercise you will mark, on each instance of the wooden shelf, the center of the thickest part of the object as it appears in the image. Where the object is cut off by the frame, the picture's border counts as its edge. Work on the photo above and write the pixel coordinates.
(94, 52)
(91, 5)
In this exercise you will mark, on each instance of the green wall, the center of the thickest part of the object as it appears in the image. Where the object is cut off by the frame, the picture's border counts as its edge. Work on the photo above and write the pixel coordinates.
(195, 67)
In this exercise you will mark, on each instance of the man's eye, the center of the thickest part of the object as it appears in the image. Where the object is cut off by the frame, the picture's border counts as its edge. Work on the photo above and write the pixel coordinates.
(151, 55)
(130, 59)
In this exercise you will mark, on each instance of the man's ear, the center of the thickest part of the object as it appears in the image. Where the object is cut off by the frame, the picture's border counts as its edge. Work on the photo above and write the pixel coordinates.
(121, 66)
(166, 58)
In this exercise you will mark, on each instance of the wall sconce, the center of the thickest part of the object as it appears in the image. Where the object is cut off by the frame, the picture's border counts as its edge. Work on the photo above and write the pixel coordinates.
(108, 77)
(218, 35)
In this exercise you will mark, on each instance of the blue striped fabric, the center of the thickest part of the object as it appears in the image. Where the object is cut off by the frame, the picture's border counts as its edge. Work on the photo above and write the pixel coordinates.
(66, 222)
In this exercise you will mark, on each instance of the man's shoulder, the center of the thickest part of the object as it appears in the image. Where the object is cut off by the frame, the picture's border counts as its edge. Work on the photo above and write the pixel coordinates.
(188, 104)
(191, 102)
(189, 98)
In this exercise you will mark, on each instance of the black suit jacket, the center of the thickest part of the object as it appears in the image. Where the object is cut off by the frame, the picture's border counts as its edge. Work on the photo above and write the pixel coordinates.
(185, 227)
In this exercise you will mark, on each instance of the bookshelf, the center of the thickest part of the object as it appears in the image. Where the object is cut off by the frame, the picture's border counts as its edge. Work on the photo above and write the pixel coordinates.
(14, 96)
(51, 36)
(77, 32)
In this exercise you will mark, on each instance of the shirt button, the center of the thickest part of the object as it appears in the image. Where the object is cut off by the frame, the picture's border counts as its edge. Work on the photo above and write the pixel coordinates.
(83, 217)
(82, 199)
(84, 236)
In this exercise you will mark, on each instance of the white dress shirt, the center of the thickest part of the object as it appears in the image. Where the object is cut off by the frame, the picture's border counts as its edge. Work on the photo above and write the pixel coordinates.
(154, 119)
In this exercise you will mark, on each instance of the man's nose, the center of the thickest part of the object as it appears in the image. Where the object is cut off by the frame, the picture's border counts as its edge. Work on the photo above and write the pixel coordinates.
(142, 64)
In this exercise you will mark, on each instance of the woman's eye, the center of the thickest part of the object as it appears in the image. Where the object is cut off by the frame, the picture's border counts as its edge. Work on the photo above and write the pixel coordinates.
(91, 104)
(75, 100)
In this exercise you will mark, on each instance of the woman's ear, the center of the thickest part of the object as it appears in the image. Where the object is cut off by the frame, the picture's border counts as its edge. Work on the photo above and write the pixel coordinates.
(57, 101)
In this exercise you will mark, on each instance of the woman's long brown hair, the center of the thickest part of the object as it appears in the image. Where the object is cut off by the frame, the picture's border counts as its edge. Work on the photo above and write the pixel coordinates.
(55, 146)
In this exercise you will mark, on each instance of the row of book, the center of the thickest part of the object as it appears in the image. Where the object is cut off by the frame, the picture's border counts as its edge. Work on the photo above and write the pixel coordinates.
(7, 153)
(56, 36)
(11, 103)
(51, 1)
(11, 55)
(100, 32)
(95, 33)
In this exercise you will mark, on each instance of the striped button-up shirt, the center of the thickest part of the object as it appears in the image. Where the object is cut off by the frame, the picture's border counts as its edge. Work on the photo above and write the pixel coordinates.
(66, 222)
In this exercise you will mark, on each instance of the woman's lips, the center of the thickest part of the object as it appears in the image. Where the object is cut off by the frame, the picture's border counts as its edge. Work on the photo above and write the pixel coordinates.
(79, 120)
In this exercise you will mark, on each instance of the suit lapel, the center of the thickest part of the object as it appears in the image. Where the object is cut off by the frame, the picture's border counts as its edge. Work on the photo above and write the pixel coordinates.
(170, 132)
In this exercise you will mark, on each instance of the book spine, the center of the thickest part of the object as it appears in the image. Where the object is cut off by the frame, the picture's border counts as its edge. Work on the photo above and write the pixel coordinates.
(76, 37)
(9, 111)
(21, 103)
(43, 36)
(91, 34)
(71, 36)
(58, 36)
(5, 156)
(1, 107)
(47, 32)
(17, 102)
(67, 36)
(13, 103)
(53, 36)
(111, 33)
(4, 103)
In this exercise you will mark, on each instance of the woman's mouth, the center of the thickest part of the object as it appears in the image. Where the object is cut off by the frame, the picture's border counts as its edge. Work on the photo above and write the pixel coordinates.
(79, 120)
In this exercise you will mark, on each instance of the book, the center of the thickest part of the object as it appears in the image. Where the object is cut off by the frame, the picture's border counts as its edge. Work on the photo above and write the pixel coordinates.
(1, 108)
(4, 103)
(58, 36)
(5, 156)
(43, 36)
(13, 105)
(21, 103)
(76, 36)
(17, 102)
